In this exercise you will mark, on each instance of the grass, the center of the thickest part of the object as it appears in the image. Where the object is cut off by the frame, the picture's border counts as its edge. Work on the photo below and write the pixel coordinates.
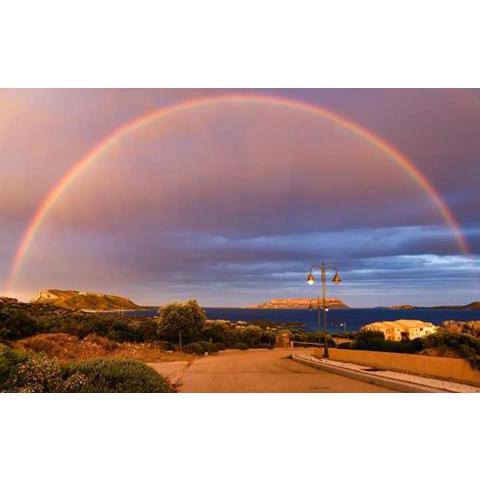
(67, 347)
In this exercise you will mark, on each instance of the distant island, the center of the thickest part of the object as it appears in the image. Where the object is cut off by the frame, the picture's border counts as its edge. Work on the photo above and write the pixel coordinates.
(470, 306)
(299, 303)
(92, 301)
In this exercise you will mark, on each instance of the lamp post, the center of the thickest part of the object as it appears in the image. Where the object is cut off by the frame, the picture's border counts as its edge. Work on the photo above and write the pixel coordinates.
(318, 316)
(311, 280)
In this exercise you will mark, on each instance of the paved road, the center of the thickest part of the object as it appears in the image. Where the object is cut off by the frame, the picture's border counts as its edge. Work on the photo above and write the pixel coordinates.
(260, 371)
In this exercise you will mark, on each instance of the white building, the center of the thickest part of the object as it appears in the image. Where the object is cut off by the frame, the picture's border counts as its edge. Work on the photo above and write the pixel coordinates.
(402, 329)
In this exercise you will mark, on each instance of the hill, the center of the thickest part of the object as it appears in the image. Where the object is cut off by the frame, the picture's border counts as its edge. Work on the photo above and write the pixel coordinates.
(299, 303)
(473, 306)
(470, 306)
(74, 299)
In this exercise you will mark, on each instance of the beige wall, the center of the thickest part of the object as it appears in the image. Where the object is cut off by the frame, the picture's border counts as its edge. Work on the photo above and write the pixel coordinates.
(455, 369)
(395, 333)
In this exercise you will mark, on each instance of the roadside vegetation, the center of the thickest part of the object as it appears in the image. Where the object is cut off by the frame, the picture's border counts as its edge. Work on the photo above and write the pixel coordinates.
(375, 341)
(37, 373)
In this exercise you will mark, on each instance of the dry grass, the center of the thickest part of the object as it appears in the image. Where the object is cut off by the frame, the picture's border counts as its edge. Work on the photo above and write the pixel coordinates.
(68, 347)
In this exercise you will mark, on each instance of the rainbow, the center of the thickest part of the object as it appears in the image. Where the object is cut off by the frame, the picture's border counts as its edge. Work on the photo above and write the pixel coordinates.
(137, 123)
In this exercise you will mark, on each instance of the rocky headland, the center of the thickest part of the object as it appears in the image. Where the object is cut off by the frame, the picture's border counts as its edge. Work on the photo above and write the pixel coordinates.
(73, 299)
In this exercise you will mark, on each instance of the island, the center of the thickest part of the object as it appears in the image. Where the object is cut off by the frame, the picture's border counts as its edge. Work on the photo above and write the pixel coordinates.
(470, 306)
(299, 303)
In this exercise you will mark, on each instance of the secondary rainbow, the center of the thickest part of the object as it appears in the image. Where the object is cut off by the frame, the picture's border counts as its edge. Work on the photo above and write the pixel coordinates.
(342, 122)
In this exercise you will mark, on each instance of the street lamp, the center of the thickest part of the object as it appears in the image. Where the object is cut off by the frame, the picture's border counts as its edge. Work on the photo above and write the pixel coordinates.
(336, 280)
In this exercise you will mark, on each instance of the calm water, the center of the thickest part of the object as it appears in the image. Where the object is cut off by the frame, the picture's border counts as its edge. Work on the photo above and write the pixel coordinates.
(353, 317)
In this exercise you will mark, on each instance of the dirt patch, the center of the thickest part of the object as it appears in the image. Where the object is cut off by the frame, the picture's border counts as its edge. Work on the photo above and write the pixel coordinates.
(69, 347)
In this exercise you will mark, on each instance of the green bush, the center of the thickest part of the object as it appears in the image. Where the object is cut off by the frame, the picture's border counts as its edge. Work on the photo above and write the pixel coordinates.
(268, 337)
(208, 346)
(220, 346)
(464, 345)
(215, 331)
(202, 347)
(40, 374)
(9, 361)
(15, 324)
(375, 341)
(113, 376)
(195, 348)
(251, 335)
(264, 345)
(241, 346)
(231, 337)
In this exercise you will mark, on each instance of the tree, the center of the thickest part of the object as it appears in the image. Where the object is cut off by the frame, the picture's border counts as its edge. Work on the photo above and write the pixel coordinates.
(181, 320)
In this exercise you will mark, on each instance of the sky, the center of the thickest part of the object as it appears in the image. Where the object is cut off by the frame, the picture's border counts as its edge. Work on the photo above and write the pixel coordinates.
(232, 204)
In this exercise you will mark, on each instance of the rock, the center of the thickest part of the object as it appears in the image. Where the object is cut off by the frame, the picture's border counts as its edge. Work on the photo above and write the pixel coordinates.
(300, 303)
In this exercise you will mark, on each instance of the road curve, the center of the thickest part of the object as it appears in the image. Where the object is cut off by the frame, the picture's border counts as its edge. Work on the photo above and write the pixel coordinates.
(261, 371)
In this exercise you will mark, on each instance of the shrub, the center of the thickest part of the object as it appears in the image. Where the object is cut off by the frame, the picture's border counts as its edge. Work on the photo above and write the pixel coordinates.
(9, 361)
(110, 376)
(185, 319)
(375, 341)
(268, 337)
(110, 326)
(75, 383)
(215, 330)
(194, 348)
(241, 346)
(264, 345)
(208, 347)
(37, 374)
(464, 345)
(220, 346)
(202, 347)
(40, 374)
(169, 346)
(231, 337)
(471, 327)
(251, 335)
(104, 342)
(15, 324)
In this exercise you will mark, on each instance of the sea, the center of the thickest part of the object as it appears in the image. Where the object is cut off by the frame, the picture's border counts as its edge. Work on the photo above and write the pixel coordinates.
(338, 320)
